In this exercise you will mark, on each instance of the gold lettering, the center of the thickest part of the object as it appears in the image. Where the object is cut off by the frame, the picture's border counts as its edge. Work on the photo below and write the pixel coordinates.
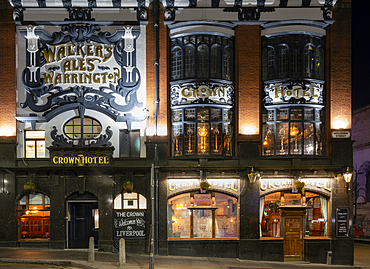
(82, 65)
(90, 50)
(289, 93)
(110, 53)
(104, 77)
(74, 65)
(69, 50)
(306, 93)
(100, 159)
(221, 90)
(70, 160)
(65, 160)
(55, 159)
(87, 76)
(58, 79)
(66, 66)
(74, 78)
(195, 93)
(80, 51)
(313, 93)
(60, 160)
(98, 51)
(48, 77)
(106, 160)
(49, 54)
(212, 92)
(90, 63)
(66, 78)
(116, 74)
(90, 160)
(95, 79)
(95, 159)
(61, 53)
(279, 92)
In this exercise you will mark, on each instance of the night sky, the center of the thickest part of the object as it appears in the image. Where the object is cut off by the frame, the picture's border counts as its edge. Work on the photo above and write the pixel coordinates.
(360, 53)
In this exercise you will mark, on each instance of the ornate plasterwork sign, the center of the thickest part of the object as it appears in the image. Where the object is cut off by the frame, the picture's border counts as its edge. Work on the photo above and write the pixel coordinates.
(294, 93)
(81, 68)
(206, 93)
(269, 185)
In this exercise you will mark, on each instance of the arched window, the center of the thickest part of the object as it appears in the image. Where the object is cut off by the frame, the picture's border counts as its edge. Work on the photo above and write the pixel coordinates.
(189, 61)
(317, 221)
(216, 61)
(203, 56)
(176, 63)
(203, 61)
(196, 215)
(296, 60)
(34, 214)
(131, 200)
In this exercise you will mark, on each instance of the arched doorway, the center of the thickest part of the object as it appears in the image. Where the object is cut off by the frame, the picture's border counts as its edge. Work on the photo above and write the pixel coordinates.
(83, 220)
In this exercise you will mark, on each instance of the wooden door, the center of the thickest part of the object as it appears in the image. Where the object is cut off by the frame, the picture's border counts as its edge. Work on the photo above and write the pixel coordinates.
(293, 238)
(81, 226)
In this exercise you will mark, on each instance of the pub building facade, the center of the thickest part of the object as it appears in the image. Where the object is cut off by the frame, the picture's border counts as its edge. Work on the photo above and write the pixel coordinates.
(228, 120)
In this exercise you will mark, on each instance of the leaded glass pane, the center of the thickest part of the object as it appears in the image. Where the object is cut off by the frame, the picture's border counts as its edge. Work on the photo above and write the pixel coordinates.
(215, 114)
(268, 139)
(216, 61)
(227, 71)
(282, 61)
(319, 140)
(296, 138)
(309, 139)
(189, 138)
(308, 113)
(190, 114)
(270, 62)
(296, 114)
(228, 139)
(296, 60)
(216, 134)
(176, 64)
(309, 60)
(281, 138)
(189, 61)
(176, 115)
(282, 114)
(177, 139)
(203, 138)
(203, 114)
(203, 61)
(319, 63)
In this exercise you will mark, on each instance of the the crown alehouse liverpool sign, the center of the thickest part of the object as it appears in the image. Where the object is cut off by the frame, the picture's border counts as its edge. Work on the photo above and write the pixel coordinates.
(294, 93)
(82, 68)
(195, 93)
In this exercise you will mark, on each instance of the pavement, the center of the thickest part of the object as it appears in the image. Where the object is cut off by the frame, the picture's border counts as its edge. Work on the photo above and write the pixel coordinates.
(50, 258)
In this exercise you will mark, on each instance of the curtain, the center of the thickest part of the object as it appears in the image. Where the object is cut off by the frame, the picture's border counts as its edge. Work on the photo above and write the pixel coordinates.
(262, 205)
(324, 213)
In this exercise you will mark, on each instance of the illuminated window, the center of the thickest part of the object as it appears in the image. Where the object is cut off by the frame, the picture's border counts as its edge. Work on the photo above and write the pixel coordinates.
(202, 131)
(130, 200)
(316, 213)
(34, 214)
(292, 131)
(35, 144)
(203, 56)
(82, 128)
(198, 215)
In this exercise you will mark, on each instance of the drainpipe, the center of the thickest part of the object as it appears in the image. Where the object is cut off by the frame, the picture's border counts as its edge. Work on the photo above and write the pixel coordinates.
(156, 60)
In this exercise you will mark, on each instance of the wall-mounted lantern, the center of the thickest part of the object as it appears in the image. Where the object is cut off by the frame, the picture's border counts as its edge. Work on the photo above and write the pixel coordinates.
(347, 177)
(253, 176)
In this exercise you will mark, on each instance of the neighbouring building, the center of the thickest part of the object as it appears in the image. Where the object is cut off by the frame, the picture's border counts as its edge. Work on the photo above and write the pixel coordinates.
(226, 124)
(361, 164)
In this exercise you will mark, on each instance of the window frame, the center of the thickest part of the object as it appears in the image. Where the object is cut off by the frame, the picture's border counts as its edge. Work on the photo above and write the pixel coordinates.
(196, 122)
(213, 208)
(35, 144)
(318, 120)
(82, 125)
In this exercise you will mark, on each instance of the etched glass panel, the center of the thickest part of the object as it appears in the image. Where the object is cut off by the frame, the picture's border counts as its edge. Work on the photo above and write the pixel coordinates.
(268, 143)
(309, 146)
(189, 139)
(216, 136)
(179, 216)
(296, 138)
(203, 138)
(177, 139)
(226, 224)
(202, 224)
(281, 138)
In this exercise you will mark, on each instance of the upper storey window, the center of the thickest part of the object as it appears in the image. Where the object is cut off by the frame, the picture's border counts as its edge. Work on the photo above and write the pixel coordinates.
(202, 56)
(293, 56)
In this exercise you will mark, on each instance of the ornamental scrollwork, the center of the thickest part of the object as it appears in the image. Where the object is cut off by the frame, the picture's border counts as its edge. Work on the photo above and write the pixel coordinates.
(249, 13)
(106, 80)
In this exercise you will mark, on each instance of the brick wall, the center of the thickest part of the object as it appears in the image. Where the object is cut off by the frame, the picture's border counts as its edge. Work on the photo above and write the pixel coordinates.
(7, 72)
(248, 78)
(163, 80)
(339, 62)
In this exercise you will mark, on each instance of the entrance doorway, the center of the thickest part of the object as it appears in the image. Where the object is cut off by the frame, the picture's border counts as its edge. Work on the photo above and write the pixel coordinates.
(83, 222)
(293, 233)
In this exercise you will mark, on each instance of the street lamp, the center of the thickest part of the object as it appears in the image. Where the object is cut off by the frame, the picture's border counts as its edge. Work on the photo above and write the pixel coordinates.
(347, 177)
(252, 176)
